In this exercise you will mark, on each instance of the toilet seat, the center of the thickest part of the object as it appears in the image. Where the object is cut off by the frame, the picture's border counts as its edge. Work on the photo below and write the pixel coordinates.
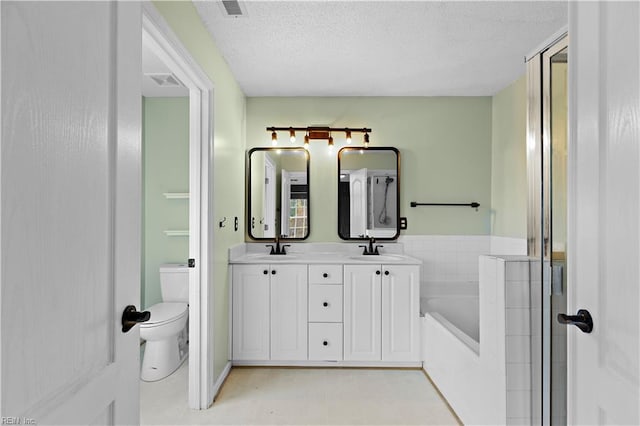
(165, 312)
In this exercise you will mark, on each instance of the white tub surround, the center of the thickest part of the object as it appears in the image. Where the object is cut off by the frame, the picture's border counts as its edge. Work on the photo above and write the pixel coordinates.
(325, 305)
(488, 383)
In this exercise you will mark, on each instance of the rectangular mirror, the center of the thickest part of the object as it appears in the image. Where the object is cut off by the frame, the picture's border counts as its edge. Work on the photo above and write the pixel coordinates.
(278, 193)
(368, 193)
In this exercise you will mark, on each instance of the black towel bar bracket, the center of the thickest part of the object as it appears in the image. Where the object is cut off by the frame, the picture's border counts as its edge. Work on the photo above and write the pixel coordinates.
(473, 204)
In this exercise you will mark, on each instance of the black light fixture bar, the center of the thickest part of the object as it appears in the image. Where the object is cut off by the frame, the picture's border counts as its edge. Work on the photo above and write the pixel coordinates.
(320, 129)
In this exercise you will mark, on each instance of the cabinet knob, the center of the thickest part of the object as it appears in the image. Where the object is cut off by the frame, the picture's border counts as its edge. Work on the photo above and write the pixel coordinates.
(325, 275)
(325, 304)
(377, 272)
(325, 343)
(265, 272)
(386, 272)
(273, 272)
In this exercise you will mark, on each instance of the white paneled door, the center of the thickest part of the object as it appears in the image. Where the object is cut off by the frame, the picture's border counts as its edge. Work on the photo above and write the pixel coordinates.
(69, 211)
(604, 212)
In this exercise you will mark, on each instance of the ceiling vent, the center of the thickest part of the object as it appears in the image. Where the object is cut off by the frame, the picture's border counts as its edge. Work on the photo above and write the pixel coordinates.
(165, 80)
(233, 8)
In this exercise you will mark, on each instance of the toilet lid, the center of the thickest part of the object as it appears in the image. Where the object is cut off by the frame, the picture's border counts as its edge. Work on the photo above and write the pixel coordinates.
(166, 311)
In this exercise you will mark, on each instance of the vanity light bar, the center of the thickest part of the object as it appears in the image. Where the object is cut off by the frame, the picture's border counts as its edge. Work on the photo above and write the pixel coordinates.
(318, 133)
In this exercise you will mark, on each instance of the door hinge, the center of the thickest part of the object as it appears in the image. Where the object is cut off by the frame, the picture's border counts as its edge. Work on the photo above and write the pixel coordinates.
(192, 263)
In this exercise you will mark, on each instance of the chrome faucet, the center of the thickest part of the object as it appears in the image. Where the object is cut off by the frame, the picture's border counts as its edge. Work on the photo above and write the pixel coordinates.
(278, 249)
(370, 250)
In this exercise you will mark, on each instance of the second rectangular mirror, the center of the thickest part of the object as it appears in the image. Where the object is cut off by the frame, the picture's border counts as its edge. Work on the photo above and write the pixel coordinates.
(368, 193)
(278, 193)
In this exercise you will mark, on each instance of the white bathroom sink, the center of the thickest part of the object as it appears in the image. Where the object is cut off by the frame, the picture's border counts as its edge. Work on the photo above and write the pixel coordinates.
(380, 258)
(270, 257)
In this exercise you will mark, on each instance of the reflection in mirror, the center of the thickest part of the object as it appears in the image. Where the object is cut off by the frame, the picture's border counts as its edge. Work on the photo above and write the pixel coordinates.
(278, 198)
(368, 196)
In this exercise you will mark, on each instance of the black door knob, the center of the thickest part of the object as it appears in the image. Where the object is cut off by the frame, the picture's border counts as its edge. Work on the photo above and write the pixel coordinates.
(265, 272)
(386, 272)
(325, 275)
(131, 316)
(377, 272)
(582, 320)
(273, 272)
(325, 304)
(325, 343)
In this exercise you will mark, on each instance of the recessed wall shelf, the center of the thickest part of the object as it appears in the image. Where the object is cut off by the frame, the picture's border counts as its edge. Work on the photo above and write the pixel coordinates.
(176, 233)
(175, 195)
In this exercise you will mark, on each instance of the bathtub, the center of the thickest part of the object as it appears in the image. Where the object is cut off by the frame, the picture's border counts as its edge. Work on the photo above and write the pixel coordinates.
(458, 313)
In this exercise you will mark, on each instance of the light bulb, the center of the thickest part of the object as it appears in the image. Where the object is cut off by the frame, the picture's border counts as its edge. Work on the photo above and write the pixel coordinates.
(292, 136)
(330, 144)
(274, 138)
(306, 141)
(366, 140)
(348, 136)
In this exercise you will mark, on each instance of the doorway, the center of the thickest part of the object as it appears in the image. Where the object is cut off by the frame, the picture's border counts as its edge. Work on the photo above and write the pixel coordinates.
(158, 37)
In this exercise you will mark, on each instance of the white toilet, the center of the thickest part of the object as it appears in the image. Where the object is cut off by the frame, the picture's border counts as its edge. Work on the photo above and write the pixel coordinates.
(166, 332)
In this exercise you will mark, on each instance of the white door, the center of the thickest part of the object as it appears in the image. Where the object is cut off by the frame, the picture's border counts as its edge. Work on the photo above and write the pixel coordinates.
(401, 313)
(362, 312)
(70, 211)
(358, 203)
(604, 212)
(269, 202)
(285, 202)
(250, 312)
(289, 312)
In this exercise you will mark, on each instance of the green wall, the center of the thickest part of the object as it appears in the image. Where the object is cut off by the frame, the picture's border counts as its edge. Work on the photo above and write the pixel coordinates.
(165, 151)
(445, 154)
(508, 161)
(228, 151)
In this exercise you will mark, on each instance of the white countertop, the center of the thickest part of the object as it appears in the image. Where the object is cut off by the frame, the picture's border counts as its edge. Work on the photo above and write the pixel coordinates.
(321, 253)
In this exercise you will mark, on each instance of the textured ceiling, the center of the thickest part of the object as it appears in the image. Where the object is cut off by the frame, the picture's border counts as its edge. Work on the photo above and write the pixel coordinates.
(385, 48)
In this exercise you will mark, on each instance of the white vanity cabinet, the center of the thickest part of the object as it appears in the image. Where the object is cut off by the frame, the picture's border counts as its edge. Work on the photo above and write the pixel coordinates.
(382, 313)
(362, 312)
(325, 312)
(269, 304)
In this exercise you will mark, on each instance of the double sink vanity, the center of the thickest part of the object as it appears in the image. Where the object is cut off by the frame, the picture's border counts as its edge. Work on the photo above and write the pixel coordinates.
(324, 304)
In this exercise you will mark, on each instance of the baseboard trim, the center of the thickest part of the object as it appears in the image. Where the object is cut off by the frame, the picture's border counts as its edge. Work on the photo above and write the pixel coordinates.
(362, 364)
(221, 379)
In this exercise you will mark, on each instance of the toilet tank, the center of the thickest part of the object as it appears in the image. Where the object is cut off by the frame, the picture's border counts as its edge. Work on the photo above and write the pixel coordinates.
(174, 282)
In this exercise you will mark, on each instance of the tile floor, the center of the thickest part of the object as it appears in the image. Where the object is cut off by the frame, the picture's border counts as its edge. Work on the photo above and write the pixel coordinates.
(301, 396)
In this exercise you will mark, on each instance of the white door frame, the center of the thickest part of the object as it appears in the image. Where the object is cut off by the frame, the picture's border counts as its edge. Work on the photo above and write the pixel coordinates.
(158, 34)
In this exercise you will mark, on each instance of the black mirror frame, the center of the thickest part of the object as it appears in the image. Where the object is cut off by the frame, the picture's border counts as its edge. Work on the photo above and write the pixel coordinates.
(248, 193)
(382, 148)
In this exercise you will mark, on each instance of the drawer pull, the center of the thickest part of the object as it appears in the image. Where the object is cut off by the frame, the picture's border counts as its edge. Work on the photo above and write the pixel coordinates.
(325, 275)
(377, 272)
(265, 272)
(386, 272)
(273, 272)
(325, 343)
(325, 304)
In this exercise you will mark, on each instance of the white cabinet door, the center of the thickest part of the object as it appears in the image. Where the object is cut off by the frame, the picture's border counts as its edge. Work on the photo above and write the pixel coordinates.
(288, 312)
(400, 313)
(69, 211)
(362, 312)
(250, 316)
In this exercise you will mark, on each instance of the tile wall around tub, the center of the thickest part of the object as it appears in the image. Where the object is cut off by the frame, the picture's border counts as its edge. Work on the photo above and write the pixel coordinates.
(450, 262)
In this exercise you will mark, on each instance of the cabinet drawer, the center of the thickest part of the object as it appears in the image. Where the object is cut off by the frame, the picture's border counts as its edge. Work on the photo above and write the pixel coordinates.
(325, 303)
(325, 274)
(325, 341)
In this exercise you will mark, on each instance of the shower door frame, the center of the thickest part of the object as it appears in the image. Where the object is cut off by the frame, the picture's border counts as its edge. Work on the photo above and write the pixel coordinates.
(539, 223)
